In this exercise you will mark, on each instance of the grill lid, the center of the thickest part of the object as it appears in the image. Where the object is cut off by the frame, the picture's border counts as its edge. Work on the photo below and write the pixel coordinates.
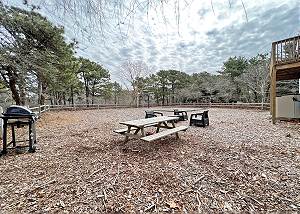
(15, 110)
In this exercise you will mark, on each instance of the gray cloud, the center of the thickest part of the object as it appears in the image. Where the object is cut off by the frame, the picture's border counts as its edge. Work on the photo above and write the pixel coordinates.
(198, 45)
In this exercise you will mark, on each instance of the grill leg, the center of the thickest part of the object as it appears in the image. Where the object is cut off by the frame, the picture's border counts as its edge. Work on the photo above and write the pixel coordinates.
(4, 148)
(13, 135)
(31, 138)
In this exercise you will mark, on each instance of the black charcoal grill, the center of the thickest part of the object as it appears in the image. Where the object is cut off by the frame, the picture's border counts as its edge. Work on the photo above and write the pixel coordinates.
(18, 116)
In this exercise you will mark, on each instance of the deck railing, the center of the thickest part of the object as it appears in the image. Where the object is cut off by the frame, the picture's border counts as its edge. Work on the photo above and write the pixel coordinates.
(286, 51)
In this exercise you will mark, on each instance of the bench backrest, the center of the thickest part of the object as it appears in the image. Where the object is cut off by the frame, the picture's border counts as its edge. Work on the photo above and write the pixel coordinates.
(205, 114)
(150, 114)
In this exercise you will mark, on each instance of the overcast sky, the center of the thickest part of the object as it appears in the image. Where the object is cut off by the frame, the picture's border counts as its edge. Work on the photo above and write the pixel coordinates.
(200, 39)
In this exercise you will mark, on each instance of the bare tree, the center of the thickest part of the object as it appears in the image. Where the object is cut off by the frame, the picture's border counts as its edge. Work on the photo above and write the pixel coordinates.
(132, 74)
(256, 76)
(98, 14)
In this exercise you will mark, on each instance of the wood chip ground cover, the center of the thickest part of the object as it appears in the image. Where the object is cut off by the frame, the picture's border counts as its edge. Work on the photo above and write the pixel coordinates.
(241, 163)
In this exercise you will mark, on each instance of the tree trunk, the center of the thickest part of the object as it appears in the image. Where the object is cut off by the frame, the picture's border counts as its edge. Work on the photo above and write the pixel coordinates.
(64, 98)
(14, 90)
(11, 79)
(87, 94)
(115, 98)
(87, 91)
(137, 100)
(238, 92)
(255, 96)
(72, 96)
(262, 97)
(173, 93)
(39, 91)
(55, 98)
(22, 93)
(163, 96)
(93, 92)
(43, 97)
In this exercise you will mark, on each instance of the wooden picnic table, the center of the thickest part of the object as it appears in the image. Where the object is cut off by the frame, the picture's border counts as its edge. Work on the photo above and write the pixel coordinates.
(134, 127)
(182, 114)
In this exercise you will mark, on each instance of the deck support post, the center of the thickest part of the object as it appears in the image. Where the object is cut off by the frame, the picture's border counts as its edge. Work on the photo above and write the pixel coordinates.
(273, 84)
(273, 96)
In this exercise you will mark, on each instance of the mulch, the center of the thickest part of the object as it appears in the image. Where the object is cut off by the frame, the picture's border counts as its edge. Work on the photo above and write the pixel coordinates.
(241, 163)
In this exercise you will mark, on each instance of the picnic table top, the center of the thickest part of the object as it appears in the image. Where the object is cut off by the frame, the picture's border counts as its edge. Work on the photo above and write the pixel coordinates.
(172, 110)
(148, 121)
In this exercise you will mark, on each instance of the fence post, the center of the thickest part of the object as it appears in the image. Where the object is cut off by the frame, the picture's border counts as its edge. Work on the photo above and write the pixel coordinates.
(39, 109)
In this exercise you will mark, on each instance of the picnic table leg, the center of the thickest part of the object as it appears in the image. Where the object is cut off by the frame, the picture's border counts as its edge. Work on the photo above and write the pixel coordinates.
(136, 131)
(143, 132)
(158, 126)
(165, 124)
(128, 131)
(173, 125)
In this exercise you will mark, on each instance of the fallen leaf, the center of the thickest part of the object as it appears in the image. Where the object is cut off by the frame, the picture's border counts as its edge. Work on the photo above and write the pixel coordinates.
(173, 205)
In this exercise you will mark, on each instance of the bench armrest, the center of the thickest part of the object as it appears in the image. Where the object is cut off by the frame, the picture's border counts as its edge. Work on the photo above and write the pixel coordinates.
(156, 112)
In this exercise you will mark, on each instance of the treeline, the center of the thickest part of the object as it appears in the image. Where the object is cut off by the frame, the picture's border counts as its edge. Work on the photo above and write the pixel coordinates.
(241, 80)
(40, 67)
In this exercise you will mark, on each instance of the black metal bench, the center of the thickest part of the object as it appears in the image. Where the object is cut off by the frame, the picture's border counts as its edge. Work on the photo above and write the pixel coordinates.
(199, 119)
(150, 114)
(181, 114)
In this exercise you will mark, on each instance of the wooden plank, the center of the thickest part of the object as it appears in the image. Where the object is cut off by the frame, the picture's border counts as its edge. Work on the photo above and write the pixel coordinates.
(288, 66)
(287, 118)
(164, 133)
(280, 41)
(289, 74)
(123, 130)
(148, 121)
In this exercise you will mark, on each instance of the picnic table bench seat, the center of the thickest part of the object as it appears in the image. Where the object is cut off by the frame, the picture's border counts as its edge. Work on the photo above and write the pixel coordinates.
(122, 131)
(164, 133)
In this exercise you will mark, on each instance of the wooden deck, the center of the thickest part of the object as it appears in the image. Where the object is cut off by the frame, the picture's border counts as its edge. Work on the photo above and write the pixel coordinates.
(285, 65)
